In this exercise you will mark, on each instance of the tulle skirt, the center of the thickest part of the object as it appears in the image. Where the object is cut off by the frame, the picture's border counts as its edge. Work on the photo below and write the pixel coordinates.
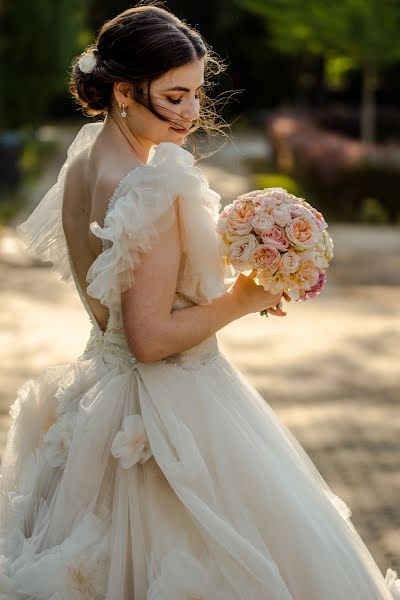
(171, 480)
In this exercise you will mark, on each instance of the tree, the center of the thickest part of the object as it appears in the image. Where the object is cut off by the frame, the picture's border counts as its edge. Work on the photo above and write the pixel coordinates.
(364, 31)
(37, 43)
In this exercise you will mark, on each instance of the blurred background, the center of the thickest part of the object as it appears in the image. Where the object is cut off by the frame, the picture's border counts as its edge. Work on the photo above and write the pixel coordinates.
(315, 109)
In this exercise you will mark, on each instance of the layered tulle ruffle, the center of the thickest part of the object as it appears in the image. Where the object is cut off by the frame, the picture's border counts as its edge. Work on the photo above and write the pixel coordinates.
(146, 203)
(42, 231)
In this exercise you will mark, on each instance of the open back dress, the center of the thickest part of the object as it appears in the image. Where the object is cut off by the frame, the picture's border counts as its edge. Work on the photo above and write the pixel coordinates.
(164, 480)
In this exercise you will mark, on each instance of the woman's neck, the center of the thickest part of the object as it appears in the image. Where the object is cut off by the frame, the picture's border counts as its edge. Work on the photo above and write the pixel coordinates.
(140, 148)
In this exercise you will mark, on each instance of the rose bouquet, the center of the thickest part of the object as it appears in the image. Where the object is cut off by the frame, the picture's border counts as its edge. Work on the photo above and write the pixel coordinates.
(282, 237)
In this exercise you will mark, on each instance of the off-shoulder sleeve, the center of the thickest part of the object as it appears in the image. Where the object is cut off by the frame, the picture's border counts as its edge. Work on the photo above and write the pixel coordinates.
(42, 231)
(142, 209)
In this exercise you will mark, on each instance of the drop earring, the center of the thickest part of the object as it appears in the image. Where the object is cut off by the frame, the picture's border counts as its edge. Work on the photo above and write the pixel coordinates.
(123, 112)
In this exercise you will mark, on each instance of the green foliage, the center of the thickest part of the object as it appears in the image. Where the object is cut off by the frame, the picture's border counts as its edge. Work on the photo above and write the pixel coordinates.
(365, 30)
(32, 161)
(37, 44)
(373, 211)
(336, 70)
(266, 180)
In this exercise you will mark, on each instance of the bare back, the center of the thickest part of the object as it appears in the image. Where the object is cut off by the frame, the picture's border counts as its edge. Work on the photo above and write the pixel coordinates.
(89, 186)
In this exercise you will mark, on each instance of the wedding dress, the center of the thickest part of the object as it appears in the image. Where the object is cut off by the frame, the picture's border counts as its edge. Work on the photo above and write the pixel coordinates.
(165, 480)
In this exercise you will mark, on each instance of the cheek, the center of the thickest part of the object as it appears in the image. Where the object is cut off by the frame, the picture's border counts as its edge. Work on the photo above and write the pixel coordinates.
(168, 111)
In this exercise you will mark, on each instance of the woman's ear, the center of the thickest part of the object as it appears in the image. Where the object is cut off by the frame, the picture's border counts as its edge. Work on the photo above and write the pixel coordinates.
(121, 91)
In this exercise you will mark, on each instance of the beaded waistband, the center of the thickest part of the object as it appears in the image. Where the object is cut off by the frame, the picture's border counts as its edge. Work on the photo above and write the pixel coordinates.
(114, 345)
(112, 342)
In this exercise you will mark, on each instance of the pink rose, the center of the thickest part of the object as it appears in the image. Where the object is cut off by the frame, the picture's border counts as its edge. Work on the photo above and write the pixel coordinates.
(241, 252)
(322, 224)
(239, 220)
(302, 232)
(262, 223)
(316, 289)
(276, 237)
(266, 257)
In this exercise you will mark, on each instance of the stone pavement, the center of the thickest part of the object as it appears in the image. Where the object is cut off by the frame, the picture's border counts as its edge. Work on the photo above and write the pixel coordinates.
(329, 369)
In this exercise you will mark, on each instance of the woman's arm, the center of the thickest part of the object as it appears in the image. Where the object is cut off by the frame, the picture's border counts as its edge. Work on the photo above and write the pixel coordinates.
(153, 330)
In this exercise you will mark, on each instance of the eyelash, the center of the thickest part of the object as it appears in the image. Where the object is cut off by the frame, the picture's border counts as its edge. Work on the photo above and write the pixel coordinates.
(173, 101)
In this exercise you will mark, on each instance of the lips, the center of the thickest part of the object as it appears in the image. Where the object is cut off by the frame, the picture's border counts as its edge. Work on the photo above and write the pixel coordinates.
(181, 130)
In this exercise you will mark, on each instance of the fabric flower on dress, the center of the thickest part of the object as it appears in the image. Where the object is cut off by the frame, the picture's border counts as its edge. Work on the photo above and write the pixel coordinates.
(131, 445)
(76, 569)
(57, 440)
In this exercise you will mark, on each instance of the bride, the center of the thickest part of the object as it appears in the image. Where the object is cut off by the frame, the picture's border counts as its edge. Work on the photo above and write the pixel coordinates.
(150, 468)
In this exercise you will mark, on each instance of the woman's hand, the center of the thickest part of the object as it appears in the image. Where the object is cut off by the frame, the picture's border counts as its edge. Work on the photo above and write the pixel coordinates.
(252, 297)
(278, 312)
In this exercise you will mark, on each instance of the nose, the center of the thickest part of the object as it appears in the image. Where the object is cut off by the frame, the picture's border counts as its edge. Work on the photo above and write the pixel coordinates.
(191, 111)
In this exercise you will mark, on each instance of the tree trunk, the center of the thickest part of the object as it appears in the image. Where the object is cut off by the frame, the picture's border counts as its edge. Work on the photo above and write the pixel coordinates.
(368, 107)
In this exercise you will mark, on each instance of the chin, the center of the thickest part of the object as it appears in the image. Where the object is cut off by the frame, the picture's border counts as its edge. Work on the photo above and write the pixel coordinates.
(178, 137)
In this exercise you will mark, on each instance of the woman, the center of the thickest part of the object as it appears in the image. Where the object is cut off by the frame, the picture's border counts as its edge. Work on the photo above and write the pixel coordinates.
(150, 468)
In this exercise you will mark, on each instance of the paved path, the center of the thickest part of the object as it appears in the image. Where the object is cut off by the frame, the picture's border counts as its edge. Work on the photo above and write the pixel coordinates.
(330, 368)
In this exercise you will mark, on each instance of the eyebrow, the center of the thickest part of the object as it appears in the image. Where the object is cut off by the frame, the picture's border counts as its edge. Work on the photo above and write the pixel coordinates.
(178, 88)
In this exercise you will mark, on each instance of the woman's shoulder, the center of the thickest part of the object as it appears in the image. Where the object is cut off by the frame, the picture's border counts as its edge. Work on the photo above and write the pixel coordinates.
(95, 174)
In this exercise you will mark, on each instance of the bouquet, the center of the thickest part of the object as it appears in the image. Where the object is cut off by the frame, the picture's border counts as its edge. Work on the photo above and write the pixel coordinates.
(282, 237)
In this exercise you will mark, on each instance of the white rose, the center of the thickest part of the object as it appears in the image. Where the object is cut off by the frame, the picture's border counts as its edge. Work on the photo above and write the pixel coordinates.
(320, 261)
(282, 215)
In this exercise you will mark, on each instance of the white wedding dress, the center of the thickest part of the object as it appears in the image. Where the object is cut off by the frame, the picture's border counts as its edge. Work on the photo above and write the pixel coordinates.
(170, 480)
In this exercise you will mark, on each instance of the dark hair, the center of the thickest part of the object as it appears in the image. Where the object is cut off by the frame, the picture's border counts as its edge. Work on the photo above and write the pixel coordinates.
(138, 46)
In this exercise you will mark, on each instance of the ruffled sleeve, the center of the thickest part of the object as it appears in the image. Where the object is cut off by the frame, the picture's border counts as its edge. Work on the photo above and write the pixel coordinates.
(141, 209)
(43, 232)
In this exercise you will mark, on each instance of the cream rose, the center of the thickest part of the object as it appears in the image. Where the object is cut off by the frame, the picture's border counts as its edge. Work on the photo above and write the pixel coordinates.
(305, 277)
(289, 262)
(262, 223)
(241, 252)
(302, 232)
(275, 283)
(266, 257)
(328, 243)
(239, 220)
(320, 260)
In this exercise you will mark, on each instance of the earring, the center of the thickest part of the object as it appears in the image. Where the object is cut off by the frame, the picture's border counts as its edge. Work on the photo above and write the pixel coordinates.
(123, 112)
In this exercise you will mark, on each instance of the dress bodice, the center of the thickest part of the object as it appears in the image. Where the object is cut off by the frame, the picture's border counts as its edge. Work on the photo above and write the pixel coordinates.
(141, 207)
(112, 343)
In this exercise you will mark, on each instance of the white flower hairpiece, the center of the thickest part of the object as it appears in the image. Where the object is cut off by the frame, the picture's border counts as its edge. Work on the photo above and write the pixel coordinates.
(87, 62)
